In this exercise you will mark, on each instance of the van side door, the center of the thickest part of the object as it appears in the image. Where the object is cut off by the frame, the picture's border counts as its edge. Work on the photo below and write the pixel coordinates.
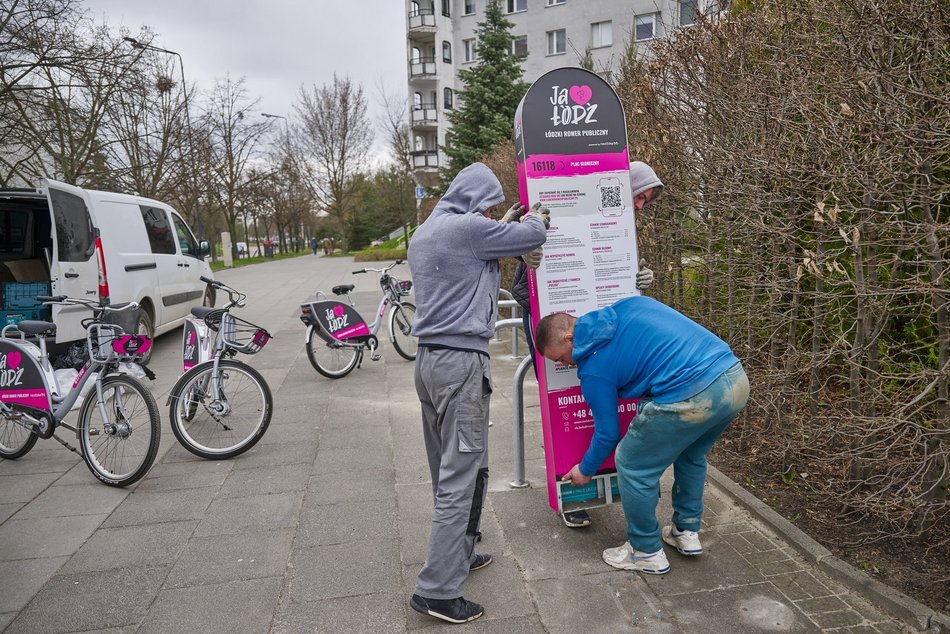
(189, 288)
(74, 269)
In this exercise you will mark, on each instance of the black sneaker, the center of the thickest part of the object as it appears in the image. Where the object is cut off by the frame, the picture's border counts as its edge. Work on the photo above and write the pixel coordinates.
(481, 560)
(456, 610)
(576, 519)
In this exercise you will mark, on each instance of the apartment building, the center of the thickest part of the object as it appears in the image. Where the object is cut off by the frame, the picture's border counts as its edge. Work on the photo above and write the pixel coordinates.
(441, 41)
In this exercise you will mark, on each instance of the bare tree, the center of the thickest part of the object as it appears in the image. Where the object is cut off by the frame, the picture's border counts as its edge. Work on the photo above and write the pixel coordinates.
(335, 136)
(398, 182)
(147, 120)
(59, 72)
(235, 139)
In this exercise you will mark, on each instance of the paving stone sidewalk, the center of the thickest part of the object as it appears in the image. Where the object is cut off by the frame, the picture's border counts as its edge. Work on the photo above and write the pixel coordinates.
(322, 527)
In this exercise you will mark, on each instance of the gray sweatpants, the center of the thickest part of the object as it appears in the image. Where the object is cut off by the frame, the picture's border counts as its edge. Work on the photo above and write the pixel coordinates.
(454, 388)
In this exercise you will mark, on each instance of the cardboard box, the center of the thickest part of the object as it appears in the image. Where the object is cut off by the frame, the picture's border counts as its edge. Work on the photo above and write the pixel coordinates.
(28, 270)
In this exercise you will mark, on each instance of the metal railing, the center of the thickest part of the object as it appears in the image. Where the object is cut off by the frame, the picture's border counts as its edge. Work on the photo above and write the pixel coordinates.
(517, 387)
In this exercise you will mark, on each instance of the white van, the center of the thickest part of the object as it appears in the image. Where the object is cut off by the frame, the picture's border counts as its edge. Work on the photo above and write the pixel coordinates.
(149, 254)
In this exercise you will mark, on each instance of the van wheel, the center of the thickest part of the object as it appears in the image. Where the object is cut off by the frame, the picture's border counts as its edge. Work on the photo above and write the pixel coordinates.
(143, 326)
(209, 298)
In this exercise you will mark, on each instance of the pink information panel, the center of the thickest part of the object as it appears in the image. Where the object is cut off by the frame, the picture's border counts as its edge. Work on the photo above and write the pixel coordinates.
(571, 144)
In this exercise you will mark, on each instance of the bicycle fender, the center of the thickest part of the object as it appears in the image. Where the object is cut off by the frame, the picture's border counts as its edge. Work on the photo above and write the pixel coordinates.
(306, 336)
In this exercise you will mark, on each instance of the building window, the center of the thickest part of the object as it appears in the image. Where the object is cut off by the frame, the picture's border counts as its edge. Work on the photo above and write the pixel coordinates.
(446, 8)
(688, 10)
(514, 6)
(447, 98)
(446, 52)
(519, 45)
(556, 42)
(552, 3)
(471, 54)
(413, 8)
(601, 34)
(645, 27)
(416, 54)
(417, 100)
(469, 7)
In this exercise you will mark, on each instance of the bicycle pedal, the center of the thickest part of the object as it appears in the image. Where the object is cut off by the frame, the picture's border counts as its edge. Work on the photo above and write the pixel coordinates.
(375, 356)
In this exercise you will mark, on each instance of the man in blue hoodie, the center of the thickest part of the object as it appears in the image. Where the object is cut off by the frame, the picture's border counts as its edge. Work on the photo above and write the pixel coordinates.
(453, 257)
(691, 385)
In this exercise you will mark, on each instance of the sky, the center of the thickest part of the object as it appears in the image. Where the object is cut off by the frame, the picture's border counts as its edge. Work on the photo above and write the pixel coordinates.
(276, 45)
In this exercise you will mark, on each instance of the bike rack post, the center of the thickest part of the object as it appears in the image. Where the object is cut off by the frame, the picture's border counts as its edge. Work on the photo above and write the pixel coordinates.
(517, 427)
(504, 296)
(515, 312)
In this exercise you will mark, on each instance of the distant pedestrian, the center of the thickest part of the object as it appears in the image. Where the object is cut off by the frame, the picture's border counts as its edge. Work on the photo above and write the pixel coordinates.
(692, 386)
(453, 257)
(313, 245)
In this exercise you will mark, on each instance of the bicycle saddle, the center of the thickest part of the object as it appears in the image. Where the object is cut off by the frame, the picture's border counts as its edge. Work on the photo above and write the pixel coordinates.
(34, 327)
(343, 289)
(202, 311)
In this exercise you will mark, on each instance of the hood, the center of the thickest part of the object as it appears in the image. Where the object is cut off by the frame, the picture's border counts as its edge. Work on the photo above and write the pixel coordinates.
(472, 191)
(642, 178)
(592, 331)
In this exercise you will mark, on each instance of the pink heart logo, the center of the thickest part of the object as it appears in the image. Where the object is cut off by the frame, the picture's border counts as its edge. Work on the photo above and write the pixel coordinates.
(581, 94)
(13, 360)
(338, 310)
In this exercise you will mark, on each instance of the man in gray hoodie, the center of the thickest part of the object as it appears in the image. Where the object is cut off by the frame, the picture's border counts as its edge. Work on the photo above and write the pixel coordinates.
(454, 262)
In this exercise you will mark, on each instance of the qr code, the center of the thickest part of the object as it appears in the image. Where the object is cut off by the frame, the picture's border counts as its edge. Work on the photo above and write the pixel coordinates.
(610, 197)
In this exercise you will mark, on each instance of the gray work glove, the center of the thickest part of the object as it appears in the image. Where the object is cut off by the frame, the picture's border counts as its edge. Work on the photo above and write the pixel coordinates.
(644, 276)
(513, 214)
(533, 258)
(539, 212)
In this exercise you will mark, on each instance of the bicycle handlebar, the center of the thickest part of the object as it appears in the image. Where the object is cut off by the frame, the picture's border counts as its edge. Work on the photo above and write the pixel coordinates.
(235, 297)
(366, 270)
(89, 303)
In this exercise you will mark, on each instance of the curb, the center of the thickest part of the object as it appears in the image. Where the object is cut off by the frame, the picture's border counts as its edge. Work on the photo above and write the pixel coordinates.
(897, 603)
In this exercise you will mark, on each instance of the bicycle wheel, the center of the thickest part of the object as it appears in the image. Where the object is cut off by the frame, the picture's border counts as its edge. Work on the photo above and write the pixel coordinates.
(233, 409)
(401, 318)
(120, 448)
(15, 439)
(329, 360)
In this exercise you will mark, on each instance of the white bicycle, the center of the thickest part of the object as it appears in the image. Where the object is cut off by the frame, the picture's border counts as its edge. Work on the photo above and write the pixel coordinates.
(337, 334)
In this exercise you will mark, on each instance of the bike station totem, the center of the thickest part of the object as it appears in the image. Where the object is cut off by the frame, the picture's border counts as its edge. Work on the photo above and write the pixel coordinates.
(572, 155)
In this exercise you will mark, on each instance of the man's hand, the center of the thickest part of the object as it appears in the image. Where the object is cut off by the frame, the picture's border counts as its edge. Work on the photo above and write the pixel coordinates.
(539, 212)
(575, 477)
(513, 214)
(533, 258)
(644, 276)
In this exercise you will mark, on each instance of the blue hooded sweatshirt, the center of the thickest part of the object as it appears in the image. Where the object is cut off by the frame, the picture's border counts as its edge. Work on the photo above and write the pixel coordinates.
(453, 257)
(638, 348)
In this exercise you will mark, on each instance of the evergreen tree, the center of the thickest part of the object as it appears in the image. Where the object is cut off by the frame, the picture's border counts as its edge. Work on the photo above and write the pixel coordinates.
(492, 90)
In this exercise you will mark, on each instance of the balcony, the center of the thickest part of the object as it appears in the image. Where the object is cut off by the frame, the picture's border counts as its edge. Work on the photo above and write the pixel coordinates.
(422, 68)
(424, 115)
(425, 159)
(422, 21)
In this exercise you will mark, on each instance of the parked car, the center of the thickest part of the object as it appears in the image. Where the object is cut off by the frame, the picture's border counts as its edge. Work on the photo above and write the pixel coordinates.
(82, 243)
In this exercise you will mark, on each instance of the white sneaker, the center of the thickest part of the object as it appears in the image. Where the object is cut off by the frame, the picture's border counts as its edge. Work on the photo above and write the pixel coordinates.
(626, 557)
(686, 542)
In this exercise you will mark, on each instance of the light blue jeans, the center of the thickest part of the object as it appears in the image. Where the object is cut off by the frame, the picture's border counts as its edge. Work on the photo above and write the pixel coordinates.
(678, 434)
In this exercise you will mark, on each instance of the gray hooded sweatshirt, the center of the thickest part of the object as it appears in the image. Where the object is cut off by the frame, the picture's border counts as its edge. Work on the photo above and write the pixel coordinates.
(453, 257)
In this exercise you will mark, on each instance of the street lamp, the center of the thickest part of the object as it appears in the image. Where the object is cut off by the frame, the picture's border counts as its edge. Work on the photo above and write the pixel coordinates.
(142, 46)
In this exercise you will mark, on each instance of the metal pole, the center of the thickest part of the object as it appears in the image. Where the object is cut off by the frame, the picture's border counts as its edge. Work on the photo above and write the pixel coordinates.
(517, 419)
